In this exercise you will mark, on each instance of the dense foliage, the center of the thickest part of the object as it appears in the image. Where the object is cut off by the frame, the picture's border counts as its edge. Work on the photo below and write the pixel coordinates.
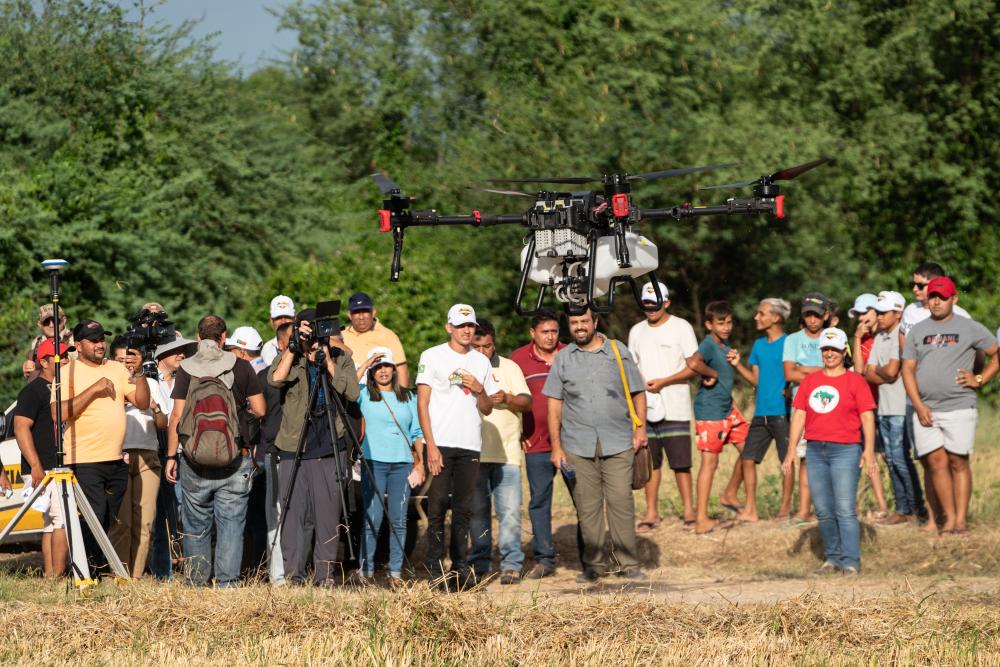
(163, 175)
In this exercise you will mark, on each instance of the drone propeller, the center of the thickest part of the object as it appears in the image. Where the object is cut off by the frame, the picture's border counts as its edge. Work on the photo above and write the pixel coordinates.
(647, 176)
(385, 184)
(509, 193)
(783, 175)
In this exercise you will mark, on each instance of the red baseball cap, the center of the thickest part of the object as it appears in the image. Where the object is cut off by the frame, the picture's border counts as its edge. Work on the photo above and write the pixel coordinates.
(47, 349)
(942, 286)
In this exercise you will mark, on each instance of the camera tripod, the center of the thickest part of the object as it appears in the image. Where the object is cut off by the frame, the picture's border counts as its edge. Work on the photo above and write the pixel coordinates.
(335, 405)
(70, 494)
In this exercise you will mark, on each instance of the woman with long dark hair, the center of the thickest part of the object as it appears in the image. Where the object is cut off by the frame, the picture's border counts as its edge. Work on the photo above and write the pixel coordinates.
(835, 409)
(393, 448)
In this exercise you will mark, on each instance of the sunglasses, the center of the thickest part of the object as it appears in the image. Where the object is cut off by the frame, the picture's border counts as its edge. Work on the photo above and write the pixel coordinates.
(918, 285)
(47, 322)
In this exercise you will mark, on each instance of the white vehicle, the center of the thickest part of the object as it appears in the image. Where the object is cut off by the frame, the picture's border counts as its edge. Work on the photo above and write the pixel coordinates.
(29, 529)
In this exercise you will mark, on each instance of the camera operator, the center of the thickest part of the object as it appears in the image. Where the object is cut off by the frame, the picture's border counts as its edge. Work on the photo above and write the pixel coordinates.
(132, 531)
(314, 511)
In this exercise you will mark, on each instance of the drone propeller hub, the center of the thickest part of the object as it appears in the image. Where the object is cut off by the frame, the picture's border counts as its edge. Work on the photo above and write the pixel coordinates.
(766, 189)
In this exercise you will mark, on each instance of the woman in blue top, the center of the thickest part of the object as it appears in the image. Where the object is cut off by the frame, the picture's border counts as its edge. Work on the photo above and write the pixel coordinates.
(392, 446)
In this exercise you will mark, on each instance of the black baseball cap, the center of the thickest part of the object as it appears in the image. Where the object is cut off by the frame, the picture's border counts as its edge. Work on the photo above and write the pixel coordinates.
(359, 301)
(815, 303)
(89, 330)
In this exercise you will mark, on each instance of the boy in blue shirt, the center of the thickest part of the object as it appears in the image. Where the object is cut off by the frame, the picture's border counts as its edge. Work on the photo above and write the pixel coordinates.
(770, 420)
(717, 420)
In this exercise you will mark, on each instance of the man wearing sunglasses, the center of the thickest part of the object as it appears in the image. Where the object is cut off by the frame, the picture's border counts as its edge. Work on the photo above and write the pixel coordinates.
(917, 311)
(46, 323)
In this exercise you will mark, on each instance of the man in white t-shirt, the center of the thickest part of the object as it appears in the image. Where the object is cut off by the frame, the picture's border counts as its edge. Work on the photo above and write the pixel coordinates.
(454, 388)
(661, 346)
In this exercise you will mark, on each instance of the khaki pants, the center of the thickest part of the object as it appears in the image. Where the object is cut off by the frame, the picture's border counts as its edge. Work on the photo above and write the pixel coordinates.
(604, 485)
(132, 533)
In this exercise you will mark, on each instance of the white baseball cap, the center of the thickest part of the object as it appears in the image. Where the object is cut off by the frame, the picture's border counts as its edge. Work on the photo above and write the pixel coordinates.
(889, 301)
(833, 337)
(648, 294)
(461, 313)
(282, 306)
(386, 357)
(245, 338)
(862, 304)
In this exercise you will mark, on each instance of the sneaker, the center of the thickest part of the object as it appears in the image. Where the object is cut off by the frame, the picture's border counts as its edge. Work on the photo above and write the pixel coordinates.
(633, 574)
(508, 577)
(540, 571)
(851, 571)
(827, 568)
(588, 576)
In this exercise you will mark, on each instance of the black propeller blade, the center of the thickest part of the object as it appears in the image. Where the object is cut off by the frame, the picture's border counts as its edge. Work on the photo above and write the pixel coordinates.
(385, 184)
(510, 193)
(653, 175)
(783, 175)
(647, 176)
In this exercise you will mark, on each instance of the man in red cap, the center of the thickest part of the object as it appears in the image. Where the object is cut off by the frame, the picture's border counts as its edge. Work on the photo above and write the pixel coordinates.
(938, 360)
(35, 437)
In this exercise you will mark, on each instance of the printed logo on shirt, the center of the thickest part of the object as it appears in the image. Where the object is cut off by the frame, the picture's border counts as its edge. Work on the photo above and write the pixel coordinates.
(421, 368)
(824, 399)
(941, 340)
(455, 380)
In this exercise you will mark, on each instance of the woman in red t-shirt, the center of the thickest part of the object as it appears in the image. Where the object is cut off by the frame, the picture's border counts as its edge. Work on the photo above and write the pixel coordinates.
(836, 410)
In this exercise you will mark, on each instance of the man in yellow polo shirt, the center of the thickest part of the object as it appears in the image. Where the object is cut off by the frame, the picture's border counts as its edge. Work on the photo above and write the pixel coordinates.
(94, 391)
(366, 333)
(499, 465)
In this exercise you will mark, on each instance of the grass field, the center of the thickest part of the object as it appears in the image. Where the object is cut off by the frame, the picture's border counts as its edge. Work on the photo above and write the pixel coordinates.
(743, 596)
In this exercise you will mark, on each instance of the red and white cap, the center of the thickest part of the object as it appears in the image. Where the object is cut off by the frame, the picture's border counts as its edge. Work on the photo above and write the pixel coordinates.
(245, 338)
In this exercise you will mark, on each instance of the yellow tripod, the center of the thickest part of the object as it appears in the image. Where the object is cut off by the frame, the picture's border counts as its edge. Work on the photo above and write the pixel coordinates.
(74, 504)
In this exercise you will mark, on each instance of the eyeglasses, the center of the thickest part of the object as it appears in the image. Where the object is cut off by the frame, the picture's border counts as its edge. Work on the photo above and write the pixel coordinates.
(918, 285)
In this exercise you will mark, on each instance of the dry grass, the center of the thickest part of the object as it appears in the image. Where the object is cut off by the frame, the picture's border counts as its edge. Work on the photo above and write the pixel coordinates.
(145, 623)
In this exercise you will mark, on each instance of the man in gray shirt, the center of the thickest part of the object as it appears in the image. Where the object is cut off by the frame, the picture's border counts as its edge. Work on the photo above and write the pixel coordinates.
(938, 361)
(591, 432)
(883, 370)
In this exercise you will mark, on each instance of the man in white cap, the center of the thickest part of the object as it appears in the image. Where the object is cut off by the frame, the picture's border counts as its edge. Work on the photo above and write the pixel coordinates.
(661, 346)
(454, 388)
(883, 371)
(246, 344)
(282, 312)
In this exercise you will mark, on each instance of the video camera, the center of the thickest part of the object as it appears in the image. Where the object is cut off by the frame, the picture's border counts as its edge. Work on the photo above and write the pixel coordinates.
(147, 331)
(325, 324)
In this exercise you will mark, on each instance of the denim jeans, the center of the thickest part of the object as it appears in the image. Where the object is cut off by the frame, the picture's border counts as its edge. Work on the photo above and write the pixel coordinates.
(833, 469)
(501, 484)
(541, 474)
(902, 472)
(164, 528)
(391, 484)
(214, 496)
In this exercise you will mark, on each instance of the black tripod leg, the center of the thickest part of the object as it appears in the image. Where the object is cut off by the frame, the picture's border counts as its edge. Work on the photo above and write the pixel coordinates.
(283, 510)
(355, 441)
(342, 479)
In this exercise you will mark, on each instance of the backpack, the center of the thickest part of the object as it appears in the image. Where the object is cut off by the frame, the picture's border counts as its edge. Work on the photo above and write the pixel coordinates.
(209, 425)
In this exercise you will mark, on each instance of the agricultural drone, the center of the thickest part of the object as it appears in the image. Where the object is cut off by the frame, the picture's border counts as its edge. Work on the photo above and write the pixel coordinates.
(582, 244)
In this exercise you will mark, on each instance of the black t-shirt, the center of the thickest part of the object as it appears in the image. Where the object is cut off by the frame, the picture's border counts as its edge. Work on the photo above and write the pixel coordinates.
(272, 420)
(245, 384)
(33, 404)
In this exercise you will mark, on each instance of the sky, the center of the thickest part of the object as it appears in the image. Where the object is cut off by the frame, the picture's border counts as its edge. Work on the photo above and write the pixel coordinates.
(247, 34)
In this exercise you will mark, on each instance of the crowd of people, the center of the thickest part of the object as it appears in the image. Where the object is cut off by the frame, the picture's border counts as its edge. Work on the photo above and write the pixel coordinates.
(302, 458)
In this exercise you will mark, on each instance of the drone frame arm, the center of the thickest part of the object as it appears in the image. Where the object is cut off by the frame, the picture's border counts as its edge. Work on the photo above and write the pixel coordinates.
(745, 206)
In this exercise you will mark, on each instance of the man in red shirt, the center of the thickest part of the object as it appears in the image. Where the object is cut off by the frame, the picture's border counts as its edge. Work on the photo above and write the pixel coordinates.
(535, 360)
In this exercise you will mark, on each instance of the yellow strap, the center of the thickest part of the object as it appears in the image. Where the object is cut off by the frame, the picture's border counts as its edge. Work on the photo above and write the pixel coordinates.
(636, 422)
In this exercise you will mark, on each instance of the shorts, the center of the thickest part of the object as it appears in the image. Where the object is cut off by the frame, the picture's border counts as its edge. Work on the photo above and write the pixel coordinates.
(52, 518)
(673, 438)
(954, 430)
(762, 431)
(713, 434)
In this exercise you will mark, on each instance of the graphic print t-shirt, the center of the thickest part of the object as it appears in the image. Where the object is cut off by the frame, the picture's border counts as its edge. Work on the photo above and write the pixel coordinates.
(455, 417)
(940, 350)
(833, 406)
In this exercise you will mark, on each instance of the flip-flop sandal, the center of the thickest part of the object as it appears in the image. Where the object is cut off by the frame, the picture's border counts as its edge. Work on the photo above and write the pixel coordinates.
(645, 526)
(721, 525)
(732, 508)
(797, 522)
(689, 524)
